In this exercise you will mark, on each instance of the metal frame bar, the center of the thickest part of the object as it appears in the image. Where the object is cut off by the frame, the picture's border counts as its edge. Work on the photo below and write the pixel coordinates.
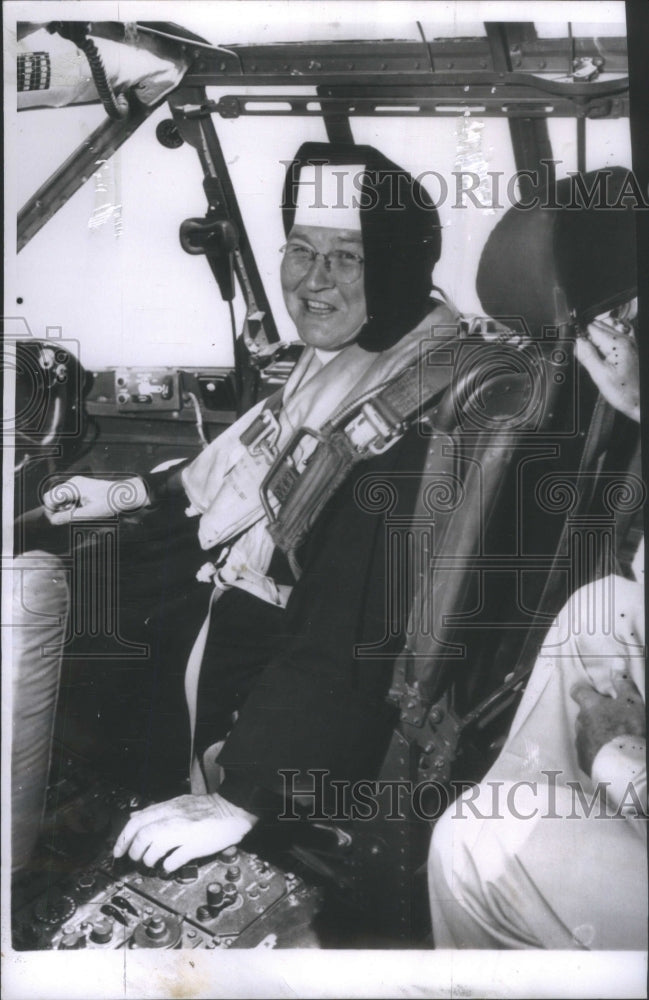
(372, 61)
(504, 71)
(221, 195)
(530, 136)
(337, 108)
(75, 171)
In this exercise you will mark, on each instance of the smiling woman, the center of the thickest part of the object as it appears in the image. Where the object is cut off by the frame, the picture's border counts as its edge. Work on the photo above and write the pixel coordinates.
(360, 297)
(322, 285)
(353, 510)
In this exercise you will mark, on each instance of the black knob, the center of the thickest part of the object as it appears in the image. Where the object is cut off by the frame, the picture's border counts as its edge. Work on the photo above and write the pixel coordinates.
(233, 873)
(230, 854)
(168, 134)
(205, 913)
(86, 884)
(102, 930)
(214, 894)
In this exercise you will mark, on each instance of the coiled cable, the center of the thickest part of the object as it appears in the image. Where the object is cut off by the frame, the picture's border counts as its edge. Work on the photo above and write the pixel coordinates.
(115, 105)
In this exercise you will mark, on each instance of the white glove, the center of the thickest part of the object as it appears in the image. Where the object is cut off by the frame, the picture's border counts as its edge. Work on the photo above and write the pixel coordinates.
(83, 498)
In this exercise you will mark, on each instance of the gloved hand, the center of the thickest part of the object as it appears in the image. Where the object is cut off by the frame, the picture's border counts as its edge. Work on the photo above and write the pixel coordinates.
(83, 498)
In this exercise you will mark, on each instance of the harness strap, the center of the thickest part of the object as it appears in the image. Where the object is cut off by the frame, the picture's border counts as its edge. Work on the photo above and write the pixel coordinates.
(293, 498)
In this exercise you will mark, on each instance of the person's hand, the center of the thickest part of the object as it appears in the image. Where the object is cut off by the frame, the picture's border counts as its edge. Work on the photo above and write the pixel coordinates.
(602, 718)
(610, 356)
(83, 498)
(190, 826)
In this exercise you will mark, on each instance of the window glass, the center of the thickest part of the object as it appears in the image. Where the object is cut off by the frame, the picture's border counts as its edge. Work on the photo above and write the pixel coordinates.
(461, 151)
(108, 268)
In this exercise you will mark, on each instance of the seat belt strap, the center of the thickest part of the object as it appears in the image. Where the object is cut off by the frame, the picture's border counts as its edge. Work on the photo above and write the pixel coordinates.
(293, 498)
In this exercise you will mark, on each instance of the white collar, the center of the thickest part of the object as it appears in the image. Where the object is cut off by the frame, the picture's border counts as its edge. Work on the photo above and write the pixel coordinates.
(324, 357)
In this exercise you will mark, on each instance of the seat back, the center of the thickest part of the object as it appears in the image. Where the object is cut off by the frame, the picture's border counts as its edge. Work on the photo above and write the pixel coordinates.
(524, 451)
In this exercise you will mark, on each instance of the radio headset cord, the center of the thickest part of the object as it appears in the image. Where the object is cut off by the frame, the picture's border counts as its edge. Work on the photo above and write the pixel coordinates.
(115, 105)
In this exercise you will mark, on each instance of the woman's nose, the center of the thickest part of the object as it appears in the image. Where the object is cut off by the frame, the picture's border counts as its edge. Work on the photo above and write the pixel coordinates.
(319, 275)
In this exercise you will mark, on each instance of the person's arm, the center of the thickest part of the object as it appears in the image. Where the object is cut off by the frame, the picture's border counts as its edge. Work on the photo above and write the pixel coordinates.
(166, 483)
(83, 498)
(54, 72)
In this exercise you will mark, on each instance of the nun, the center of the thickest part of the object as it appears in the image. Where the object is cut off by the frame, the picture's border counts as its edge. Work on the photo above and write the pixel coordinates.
(273, 683)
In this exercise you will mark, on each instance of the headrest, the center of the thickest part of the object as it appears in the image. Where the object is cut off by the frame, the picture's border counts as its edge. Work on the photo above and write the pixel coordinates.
(566, 263)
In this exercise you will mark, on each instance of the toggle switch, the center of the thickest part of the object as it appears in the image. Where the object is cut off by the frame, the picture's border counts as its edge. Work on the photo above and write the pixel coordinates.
(112, 911)
(125, 904)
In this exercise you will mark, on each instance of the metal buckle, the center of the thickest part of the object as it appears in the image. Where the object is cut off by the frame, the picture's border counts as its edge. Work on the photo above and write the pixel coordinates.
(371, 431)
(262, 436)
(285, 473)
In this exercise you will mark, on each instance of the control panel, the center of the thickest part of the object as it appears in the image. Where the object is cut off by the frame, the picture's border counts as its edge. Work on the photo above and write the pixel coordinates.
(158, 393)
(82, 897)
(153, 388)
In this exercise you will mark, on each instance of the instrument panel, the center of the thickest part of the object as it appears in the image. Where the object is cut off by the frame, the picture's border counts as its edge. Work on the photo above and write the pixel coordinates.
(78, 896)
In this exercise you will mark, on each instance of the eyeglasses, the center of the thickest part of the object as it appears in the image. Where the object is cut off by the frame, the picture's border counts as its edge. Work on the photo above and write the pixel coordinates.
(344, 266)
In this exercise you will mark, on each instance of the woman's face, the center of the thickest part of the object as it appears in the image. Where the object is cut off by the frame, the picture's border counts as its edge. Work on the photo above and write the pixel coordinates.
(328, 314)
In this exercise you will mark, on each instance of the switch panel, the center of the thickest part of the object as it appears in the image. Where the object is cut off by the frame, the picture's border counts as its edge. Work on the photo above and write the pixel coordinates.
(143, 389)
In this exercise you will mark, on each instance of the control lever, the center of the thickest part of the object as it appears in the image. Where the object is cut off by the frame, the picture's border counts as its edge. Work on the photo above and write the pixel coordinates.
(217, 239)
(111, 911)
